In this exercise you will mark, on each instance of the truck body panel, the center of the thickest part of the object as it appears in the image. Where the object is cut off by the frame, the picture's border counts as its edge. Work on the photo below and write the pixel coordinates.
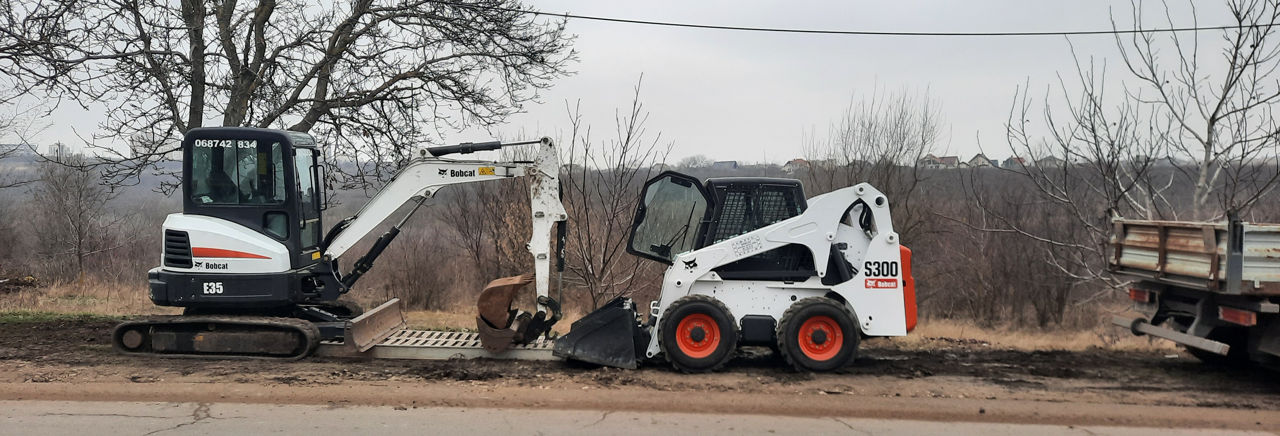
(1212, 287)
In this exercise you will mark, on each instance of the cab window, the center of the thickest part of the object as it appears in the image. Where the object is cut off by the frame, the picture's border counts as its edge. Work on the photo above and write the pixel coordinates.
(237, 171)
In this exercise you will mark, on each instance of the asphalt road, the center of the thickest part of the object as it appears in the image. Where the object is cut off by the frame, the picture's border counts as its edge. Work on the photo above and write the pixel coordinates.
(134, 418)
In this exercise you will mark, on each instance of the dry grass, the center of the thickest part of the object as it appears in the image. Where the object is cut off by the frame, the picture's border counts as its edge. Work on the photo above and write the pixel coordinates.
(97, 298)
(121, 300)
(1102, 336)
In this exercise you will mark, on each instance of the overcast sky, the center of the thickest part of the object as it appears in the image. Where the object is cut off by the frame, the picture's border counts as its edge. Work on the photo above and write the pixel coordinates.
(751, 96)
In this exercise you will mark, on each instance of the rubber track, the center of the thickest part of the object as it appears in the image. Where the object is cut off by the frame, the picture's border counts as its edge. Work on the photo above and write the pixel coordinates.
(310, 334)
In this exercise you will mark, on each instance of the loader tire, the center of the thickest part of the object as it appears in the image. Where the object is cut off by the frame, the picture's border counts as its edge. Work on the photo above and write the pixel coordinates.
(698, 334)
(818, 334)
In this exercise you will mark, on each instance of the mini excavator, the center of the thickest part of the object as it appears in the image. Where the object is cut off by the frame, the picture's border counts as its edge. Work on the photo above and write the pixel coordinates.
(257, 276)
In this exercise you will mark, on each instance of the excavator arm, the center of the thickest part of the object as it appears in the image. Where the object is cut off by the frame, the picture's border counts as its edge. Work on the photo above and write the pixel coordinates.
(425, 176)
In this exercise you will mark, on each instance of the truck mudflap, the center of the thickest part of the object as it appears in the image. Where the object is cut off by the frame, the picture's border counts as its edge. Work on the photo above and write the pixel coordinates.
(611, 335)
(1140, 326)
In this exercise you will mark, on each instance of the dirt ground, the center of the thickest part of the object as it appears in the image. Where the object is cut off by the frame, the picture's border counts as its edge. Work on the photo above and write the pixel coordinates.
(945, 379)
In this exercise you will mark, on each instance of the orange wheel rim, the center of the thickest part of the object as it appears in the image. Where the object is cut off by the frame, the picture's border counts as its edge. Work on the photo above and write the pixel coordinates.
(821, 338)
(698, 335)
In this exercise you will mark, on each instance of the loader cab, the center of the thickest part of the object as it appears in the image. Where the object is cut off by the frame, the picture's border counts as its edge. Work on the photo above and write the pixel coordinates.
(265, 180)
(677, 213)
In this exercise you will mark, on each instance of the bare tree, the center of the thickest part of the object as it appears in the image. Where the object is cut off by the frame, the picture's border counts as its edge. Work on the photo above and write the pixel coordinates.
(71, 213)
(7, 151)
(880, 140)
(490, 222)
(1221, 116)
(695, 161)
(1189, 132)
(601, 191)
(375, 78)
(14, 124)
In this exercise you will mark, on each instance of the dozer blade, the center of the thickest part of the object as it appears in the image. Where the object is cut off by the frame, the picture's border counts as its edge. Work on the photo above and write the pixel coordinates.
(611, 336)
(367, 330)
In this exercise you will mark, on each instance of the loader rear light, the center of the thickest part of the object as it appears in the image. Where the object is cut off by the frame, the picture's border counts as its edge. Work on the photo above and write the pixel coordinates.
(908, 288)
(1140, 295)
(1237, 316)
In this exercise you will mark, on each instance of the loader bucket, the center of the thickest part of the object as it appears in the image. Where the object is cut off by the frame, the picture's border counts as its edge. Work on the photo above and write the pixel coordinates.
(610, 336)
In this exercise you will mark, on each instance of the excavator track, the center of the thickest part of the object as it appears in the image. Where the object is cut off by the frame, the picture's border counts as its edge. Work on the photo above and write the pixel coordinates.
(217, 336)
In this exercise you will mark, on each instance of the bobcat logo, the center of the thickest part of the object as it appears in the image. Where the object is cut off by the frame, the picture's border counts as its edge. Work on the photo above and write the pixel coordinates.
(196, 264)
(444, 171)
(690, 264)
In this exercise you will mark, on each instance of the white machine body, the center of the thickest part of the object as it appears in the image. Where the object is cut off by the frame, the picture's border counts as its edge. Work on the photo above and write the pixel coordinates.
(221, 246)
(877, 295)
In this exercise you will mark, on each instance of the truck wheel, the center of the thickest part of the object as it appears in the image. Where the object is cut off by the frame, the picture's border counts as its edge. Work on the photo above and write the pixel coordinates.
(1237, 338)
(1238, 355)
(817, 334)
(698, 334)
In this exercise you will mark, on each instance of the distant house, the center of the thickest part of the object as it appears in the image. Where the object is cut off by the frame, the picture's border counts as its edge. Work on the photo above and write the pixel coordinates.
(659, 167)
(725, 165)
(58, 149)
(978, 161)
(794, 165)
(1050, 162)
(1014, 163)
(934, 162)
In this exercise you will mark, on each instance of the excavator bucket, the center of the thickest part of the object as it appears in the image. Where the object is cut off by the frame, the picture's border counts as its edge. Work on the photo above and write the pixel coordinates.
(611, 335)
(370, 328)
(500, 326)
(495, 300)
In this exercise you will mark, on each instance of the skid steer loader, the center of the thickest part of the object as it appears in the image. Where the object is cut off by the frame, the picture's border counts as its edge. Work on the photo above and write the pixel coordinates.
(752, 262)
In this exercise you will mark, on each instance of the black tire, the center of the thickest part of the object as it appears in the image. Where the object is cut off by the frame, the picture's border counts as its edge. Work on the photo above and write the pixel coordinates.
(1237, 356)
(1237, 338)
(709, 335)
(816, 353)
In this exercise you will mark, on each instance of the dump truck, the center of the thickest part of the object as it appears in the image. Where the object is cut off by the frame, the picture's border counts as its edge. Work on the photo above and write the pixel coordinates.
(1213, 287)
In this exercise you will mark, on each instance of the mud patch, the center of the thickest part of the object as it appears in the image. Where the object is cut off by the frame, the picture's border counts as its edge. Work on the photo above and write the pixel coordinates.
(79, 352)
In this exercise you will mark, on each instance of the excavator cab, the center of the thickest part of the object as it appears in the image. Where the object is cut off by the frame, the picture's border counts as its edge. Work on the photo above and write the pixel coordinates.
(249, 235)
(264, 180)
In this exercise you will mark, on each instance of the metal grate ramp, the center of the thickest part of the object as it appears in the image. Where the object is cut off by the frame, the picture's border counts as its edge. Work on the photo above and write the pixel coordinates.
(437, 345)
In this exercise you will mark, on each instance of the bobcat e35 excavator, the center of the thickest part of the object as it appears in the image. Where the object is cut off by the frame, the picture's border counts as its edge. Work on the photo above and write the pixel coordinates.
(256, 275)
(750, 262)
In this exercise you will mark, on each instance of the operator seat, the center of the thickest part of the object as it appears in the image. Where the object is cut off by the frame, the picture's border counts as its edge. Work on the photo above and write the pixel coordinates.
(222, 189)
